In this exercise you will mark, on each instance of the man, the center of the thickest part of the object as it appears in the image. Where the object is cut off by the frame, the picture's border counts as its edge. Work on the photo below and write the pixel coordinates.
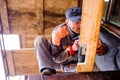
(64, 44)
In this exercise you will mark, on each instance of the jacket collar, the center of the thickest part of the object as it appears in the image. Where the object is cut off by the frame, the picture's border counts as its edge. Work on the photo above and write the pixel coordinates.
(71, 33)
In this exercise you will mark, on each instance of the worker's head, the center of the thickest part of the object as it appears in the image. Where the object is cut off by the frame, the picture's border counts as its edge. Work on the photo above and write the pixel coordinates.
(73, 19)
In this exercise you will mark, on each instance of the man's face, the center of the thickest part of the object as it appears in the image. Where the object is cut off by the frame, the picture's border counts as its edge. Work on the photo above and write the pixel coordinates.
(75, 26)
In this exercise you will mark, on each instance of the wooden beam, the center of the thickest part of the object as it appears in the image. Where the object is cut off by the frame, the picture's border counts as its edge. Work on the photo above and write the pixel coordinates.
(40, 14)
(10, 62)
(28, 40)
(110, 75)
(4, 17)
(114, 30)
(90, 27)
(22, 62)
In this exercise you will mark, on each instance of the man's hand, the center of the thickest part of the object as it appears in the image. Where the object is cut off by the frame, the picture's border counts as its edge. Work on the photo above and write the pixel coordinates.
(75, 45)
(100, 49)
(99, 44)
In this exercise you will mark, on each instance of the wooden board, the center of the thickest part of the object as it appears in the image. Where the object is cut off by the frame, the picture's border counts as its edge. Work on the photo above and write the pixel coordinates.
(22, 62)
(4, 17)
(111, 75)
(39, 5)
(90, 27)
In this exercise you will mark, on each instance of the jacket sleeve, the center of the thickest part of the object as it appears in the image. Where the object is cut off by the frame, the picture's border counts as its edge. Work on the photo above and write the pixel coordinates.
(102, 50)
(58, 53)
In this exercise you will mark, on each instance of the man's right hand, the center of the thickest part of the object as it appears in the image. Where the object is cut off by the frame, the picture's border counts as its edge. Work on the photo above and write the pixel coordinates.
(75, 45)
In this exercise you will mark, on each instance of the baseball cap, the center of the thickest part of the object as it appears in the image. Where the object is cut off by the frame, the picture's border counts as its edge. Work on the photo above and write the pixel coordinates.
(74, 14)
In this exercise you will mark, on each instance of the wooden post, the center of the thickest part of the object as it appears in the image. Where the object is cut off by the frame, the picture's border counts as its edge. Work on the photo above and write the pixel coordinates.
(4, 17)
(40, 24)
(5, 29)
(10, 61)
(90, 27)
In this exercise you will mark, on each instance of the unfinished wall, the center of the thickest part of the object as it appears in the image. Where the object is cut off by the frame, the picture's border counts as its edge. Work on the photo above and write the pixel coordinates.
(22, 19)
(24, 14)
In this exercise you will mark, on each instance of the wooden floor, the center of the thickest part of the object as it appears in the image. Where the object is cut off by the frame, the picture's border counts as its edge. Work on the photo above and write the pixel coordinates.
(109, 75)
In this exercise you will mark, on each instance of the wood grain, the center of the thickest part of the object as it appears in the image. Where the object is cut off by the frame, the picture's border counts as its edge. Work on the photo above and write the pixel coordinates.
(90, 27)
(4, 17)
(22, 62)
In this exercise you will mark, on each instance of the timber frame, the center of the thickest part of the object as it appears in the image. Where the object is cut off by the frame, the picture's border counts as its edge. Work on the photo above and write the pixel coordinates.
(89, 32)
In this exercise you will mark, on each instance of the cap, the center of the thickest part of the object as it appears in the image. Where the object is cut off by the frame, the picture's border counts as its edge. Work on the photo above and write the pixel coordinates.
(74, 14)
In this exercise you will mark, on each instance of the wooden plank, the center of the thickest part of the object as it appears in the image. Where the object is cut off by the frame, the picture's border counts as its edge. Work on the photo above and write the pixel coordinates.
(111, 75)
(27, 40)
(90, 27)
(114, 30)
(4, 17)
(10, 62)
(40, 14)
(24, 62)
